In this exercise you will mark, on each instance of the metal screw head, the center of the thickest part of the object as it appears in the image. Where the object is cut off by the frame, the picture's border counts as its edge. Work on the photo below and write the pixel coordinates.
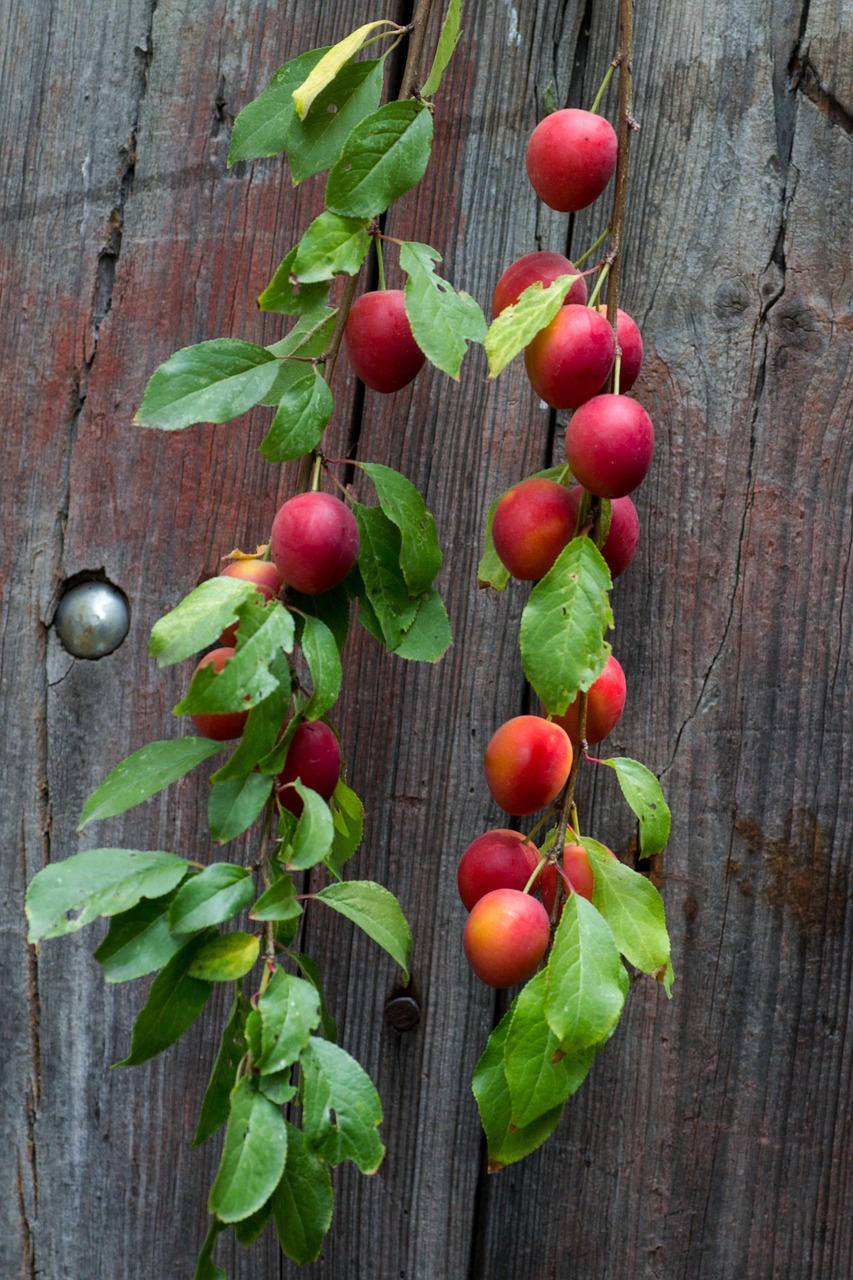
(92, 619)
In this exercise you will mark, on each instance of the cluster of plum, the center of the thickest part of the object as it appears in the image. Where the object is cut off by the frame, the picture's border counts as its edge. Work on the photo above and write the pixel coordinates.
(571, 157)
(314, 543)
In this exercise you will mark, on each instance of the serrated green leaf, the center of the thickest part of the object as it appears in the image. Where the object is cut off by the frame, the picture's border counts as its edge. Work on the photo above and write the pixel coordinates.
(247, 1230)
(314, 144)
(332, 63)
(290, 1013)
(429, 637)
(143, 774)
(233, 805)
(491, 571)
(314, 831)
(518, 324)
(335, 1083)
(420, 554)
(262, 127)
(225, 957)
(443, 321)
(211, 897)
(174, 1002)
(379, 567)
(309, 969)
(210, 382)
(308, 338)
(383, 158)
(506, 1142)
(377, 912)
(633, 909)
(563, 649)
(247, 678)
(278, 902)
(302, 1202)
(215, 1104)
(331, 245)
(540, 1074)
(138, 941)
(348, 819)
(324, 664)
(447, 42)
(286, 296)
(199, 619)
(643, 792)
(331, 607)
(263, 727)
(65, 896)
(253, 1155)
(586, 983)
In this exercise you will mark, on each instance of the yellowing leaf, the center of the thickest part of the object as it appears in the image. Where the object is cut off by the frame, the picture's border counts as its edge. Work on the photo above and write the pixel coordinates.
(331, 63)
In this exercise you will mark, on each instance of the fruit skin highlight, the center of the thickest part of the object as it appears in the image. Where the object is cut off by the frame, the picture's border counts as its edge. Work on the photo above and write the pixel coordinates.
(506, 936)
(571, 157)
(542, 267)
(527, 764)
(314, 542)
(379, 341)
(532, 523)
(499, 859)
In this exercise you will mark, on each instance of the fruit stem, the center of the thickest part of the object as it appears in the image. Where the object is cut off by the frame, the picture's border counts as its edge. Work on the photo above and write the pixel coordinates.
(602, 276)
(534, 875)
(315, 474)
(605, 82)
(592, 248)
(380, 263)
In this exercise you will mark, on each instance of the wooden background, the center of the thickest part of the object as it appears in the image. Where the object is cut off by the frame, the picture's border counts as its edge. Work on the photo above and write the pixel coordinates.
(714, 1138)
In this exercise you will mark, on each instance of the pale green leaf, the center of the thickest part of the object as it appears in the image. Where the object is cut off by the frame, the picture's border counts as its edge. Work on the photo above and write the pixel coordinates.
(331, 63)
(443, 320)
(586, 983)
(643, 792)
(447, 42)
(518, 325)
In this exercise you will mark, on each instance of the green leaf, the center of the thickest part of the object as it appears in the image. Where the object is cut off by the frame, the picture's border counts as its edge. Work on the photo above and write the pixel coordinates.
(377, 912)
(211, 382)
(175, 999)
(540, 1074)
(383, 158)
(262, 127)
(302, 1202)
(331, 607)
(138, 941)
(233, 805)
(198, 620)
(65, 896)
(143, 774)
(226, 957)
(290, 1012)
(447, 42)
(518, 325)
(247, 678)
(420, 554)
(633, 909)
(286, 296)
(562, 627)
(586, 983)
(314, 144)
(308, 338)
(379, 566)
(443, 321)
(429, 636)
(332, 62)
(216, 1103)
(211, 897)
(278, 902)
(348, 819)
(334, 1082)
(314, 831)
(507, 1142)
(324, 663)
(301, 418)
(307, 966)
(205, 1267)
(643, 792)
(491, 571)
(253, 1155)
(330, 246)
(247, 1230)
(263, 727)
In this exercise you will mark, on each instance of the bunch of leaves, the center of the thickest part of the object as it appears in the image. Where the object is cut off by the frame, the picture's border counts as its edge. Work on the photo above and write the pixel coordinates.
(293, 1103)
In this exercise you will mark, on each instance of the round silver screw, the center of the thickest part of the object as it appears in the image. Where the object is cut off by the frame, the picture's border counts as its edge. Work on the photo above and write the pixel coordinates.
(92, 619)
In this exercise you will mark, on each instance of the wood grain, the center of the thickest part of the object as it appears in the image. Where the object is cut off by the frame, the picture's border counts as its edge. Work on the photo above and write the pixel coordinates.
(713, 1137)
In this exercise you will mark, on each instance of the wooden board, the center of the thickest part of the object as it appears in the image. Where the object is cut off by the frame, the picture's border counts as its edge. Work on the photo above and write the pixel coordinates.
(713, 1137)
